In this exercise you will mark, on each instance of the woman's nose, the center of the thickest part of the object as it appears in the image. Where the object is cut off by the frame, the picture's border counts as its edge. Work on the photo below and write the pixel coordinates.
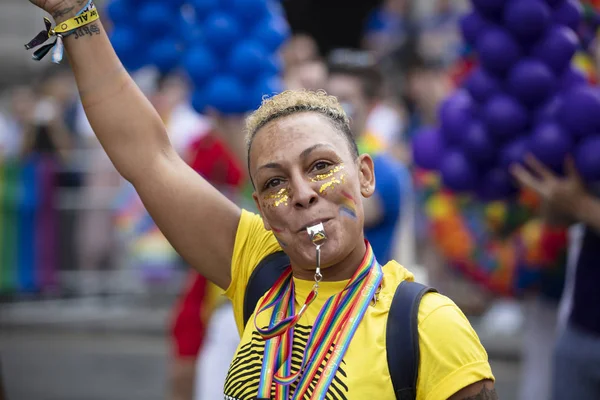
(303, 193)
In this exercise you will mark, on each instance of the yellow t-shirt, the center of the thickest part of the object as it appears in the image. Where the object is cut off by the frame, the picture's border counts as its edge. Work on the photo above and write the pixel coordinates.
(451, 356)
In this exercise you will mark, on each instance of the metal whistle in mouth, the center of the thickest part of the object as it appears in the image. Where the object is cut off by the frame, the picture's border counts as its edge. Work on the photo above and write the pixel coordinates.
(317, 235)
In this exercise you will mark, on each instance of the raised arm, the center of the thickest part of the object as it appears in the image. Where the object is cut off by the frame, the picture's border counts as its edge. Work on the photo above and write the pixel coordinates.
(198, 221)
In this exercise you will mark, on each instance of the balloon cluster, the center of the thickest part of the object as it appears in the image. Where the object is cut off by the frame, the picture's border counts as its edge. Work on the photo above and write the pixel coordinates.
(228, 48)
(523, 96)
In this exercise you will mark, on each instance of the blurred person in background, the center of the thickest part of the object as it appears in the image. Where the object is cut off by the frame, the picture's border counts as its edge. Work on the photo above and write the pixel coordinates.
(356, 82)
(568, 202)
(387, 27)
(203, 330)
(46, 150)
(19, 116)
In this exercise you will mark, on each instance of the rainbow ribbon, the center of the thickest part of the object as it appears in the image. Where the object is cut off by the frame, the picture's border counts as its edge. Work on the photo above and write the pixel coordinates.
(335, 326)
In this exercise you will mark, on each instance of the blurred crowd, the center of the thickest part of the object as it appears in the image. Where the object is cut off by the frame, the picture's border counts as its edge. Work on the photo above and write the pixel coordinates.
(70, 226)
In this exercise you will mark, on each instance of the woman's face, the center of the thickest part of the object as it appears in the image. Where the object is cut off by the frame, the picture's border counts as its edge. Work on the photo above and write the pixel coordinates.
(305, 173)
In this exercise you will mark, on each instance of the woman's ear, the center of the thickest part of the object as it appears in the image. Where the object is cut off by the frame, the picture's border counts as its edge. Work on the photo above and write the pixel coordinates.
(366, 175)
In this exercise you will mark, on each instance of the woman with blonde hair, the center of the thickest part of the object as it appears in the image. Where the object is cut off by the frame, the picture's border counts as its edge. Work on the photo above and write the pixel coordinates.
(320, 330)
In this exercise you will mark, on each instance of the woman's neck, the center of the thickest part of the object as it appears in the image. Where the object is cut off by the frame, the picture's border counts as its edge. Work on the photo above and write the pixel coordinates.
(336, 272)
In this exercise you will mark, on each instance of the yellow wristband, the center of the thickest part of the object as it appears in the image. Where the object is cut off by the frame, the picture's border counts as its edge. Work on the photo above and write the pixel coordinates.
(77, 22)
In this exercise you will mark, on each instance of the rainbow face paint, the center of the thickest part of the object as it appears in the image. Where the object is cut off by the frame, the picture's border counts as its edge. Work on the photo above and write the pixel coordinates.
(280, 198)
(348, 207)
(330, 178)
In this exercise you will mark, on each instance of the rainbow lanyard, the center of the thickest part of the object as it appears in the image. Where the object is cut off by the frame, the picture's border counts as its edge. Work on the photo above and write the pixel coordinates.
(337, 321)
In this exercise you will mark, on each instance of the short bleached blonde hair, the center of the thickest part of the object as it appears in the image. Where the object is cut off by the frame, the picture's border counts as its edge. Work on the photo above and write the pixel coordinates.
(297, 101)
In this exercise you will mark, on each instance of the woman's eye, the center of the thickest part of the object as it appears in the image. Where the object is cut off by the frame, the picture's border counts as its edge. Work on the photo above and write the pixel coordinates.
(321, 165)
(271, 183)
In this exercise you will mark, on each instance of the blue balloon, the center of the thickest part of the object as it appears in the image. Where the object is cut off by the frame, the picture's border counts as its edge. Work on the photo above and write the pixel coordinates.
(482, 85)
(221, 32)
(200, 64)
(198, 100)
(249, 11)
(587, 160)
(531, 81)
(126, 44)
(272, 32)
(477, 144)
(557, 48)
(569, 14)
(119, 11)
(274, 65)
(456, 113)
(155, 17)
(225, 94)
(550, 143)
(428, 148)
(190, 31)
(248, 60)
(266, 86)
(457, 172)
(498, 51)
(203, 8)
(527, 19)
(514, 152)
(165, 54)
(504, 117)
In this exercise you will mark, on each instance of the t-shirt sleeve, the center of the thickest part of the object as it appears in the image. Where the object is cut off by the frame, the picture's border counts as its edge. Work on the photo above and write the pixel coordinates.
(451, 355)
(252, 243)
(388, 187)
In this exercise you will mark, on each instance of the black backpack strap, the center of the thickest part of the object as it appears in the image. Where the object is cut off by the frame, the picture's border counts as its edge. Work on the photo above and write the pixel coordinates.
(402, 338)
(262, 279)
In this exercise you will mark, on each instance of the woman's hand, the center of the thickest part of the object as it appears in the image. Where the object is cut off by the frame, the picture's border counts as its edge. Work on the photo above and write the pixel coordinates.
(60, 10)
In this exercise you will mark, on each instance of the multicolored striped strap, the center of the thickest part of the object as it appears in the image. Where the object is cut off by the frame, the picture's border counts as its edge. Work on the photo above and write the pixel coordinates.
(335, 326)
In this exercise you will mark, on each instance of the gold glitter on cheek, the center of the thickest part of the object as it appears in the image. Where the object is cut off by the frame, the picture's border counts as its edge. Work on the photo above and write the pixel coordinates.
(330, 184)
(280, 198)
(328, 175)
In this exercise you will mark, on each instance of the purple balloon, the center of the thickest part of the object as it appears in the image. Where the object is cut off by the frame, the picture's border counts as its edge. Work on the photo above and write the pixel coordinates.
(457, 172)
(477, 144)
(472, 25)
(498, 51)
(557, 48)
(455, 114)
(550, 143)
(587, 160)
(514, 152)
(531, 81)
(496, 184)
(569, 14)
(482, 85)
(580, 111)
(489, 8)
(573, 77)
(527, 19)
(428, 148)
(549, 111)
(505, 117)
